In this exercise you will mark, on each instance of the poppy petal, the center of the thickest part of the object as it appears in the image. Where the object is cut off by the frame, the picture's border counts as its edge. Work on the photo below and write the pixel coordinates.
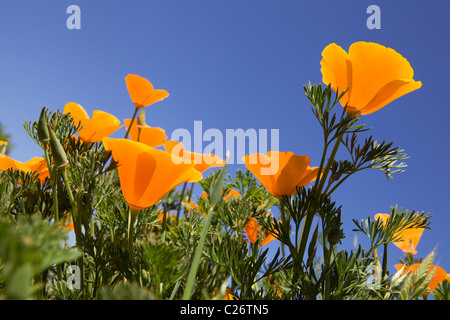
(139, 89)
(337, 69)
(391, 91)
(156, 95)
(374, 66)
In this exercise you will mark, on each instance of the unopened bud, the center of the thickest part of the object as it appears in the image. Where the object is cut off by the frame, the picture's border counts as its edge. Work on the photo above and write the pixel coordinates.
(141, 119)
(42, 129)
(59, 155)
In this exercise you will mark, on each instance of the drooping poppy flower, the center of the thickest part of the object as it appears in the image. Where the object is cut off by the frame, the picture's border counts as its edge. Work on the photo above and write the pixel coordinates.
(281, 172)
(252, 230)
(202, 161)
(439, 274)
(151, 136)
(375, 75)
(35, 164)
(141, 91)
(93, 130)
(409, 237)
(147, 174)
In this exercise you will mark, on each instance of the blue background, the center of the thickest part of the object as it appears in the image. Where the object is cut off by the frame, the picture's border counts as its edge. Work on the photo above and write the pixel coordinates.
(240, 64)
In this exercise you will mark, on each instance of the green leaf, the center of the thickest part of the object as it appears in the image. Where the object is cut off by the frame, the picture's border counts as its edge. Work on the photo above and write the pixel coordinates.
(20, 283)
(216, 192)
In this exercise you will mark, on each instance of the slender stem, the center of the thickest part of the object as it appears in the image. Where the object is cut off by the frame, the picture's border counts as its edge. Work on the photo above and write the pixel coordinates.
(53, 179)
(310, 213)
(131, 123)
(132, 213)
(76, 223)
(385, 261)
(181, 199)
(196, 261)
(283, 220)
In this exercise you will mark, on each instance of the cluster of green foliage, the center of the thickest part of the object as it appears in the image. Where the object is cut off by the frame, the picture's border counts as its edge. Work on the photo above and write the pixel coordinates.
(198, 253)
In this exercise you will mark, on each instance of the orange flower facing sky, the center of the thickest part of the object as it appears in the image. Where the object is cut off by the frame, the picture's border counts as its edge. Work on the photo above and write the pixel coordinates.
(202, 161)
(281, 172)
(147, 174)
(374, 74)
(35, 164)
(101, 125)
(141, 91)
(151, 136)
(409, 237)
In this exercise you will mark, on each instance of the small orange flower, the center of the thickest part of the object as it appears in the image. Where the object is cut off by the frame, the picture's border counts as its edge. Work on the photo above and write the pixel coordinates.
(161, 217)
(67, 225)
(202, 161)
(101, 125)
(35, 164)
(439, 274)
(231, 194)
(409, 237)
(281, 172)
(151, 136)
(147, 174)
(252, 229)
(375, 75)
(190, 205)
(141, 91)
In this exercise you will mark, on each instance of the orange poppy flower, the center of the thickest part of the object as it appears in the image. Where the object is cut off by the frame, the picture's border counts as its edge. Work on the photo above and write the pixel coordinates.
(147, 174)
(151, 136)
(231, 194)
(40, 166)
(439, 274)
(374, 74)
(35, 164)
(67, 225)
(202, 161)
(190, 205)
(281, 172)
(141, 91)
(409, 237)
(101, 125)
(252, 230)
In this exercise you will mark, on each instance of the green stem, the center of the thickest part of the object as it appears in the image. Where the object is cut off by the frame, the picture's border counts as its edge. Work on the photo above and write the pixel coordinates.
(132, 213)
(196, 261)
(310, 213)
(131, 123)
(76, 224)
(181, 199)
(283, 220)
(385, 261)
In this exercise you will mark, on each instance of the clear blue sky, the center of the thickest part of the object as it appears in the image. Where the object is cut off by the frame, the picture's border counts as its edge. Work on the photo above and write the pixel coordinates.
(239, 64)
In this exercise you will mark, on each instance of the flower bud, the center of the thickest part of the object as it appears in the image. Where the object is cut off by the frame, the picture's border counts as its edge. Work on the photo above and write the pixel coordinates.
(141, 119)
(59, 155)
(42, 129)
